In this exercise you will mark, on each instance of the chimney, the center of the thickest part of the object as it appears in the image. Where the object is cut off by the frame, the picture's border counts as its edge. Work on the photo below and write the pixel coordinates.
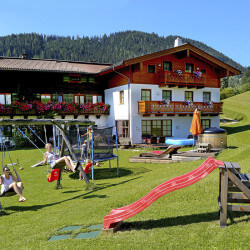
(25, 56)
(177, 42)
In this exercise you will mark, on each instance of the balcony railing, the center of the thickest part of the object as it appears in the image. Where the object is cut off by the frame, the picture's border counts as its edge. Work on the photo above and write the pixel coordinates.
(158, 107)
(56, 108)
(164, 78)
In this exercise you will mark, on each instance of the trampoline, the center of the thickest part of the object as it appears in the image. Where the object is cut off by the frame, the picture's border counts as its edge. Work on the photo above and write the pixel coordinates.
(180, 141)
(97, 147)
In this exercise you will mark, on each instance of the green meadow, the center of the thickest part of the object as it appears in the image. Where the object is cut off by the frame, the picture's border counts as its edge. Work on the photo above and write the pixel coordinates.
(186, 218)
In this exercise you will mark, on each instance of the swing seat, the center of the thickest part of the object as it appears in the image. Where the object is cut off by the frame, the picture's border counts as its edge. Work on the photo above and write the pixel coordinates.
(53, 176)
(87, 169)
(8, 193)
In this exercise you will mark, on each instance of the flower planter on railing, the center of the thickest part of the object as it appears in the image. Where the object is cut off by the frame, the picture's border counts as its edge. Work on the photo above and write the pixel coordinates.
(172, 78)
(54, 108)
(158, 107)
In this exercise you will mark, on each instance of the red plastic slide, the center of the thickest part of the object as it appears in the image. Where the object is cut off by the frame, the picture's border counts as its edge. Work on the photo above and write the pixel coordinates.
(120, 214)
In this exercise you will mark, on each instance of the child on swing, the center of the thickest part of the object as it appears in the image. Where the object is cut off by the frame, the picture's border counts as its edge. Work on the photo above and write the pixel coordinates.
(11, 183)
(51, 158)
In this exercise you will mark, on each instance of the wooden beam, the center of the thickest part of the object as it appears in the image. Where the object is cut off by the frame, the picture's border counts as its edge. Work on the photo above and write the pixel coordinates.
(239, 184)
(223, 197)
(44, 122)
(238, 208)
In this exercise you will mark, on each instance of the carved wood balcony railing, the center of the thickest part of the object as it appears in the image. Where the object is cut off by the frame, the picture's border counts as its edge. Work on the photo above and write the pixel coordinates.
(164, 78)
(157, 107)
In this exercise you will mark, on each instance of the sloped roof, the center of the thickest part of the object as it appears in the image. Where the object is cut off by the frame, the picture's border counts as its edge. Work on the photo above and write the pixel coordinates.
(21, 64)
(180, 48)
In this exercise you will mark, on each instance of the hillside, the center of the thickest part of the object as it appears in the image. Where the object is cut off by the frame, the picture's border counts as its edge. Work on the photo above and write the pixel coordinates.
(237, 107)
(105, 49)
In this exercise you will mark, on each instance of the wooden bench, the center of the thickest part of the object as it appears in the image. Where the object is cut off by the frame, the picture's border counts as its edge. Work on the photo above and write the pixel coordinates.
(204, 147)
(233, 189)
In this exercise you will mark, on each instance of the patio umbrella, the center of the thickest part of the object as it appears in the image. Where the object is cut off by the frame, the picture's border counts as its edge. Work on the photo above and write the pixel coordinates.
(196, 127)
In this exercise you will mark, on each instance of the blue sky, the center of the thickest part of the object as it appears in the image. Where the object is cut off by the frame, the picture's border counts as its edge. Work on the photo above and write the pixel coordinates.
(221, 24)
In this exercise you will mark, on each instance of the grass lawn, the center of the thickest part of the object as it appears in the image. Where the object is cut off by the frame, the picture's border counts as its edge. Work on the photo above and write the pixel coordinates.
(186, 218)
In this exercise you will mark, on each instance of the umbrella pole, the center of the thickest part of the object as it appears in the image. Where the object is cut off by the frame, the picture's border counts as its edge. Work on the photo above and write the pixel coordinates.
(193, 142)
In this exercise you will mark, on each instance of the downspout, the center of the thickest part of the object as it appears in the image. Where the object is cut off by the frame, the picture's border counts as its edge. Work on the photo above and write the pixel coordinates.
(128, 99)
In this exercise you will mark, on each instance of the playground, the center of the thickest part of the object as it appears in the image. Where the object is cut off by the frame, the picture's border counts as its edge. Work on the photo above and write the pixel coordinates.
(185, 218)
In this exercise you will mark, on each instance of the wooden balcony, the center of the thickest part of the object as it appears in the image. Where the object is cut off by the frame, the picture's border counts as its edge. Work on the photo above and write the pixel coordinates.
(184, 80)
(157, 107)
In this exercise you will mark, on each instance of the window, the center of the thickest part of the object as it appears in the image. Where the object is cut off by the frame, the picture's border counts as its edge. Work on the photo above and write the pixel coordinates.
(124, 128)
(206, 96)
(91, 80)
(167, 66)
(206, 123)
(74, 78)
(57, 98)
(189, 68)
(5, 98)
(157, 127)
(69, 98)
(167, 128)
(122, 97)
(167, 95)
(88, 98)
(45, 98)
(146, 95)
(146, 127)
(189, 95)
(151, 68)
(79, 99)
(99, 98)
(94, 99)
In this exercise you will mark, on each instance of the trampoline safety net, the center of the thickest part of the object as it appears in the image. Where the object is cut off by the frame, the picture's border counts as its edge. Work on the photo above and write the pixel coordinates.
(103, 143)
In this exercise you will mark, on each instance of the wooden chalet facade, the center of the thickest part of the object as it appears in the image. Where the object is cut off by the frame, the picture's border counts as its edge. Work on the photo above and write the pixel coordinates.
(150, 95)
(72, 89)
(156, 94)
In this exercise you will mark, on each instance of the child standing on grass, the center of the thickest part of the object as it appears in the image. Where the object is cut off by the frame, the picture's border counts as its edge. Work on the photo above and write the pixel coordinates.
(52, 159)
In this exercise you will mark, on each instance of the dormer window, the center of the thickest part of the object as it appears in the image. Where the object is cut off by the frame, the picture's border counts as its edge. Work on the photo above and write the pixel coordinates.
(189, 68)
(74, 78)
(151, 68)
(167, 66)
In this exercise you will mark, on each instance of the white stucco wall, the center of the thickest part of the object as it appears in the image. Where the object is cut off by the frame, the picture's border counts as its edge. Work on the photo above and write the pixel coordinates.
(180, 124)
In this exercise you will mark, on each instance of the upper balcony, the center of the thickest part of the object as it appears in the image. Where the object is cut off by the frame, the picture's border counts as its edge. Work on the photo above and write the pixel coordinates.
(172, 79)
(36, 108)
(158, 107)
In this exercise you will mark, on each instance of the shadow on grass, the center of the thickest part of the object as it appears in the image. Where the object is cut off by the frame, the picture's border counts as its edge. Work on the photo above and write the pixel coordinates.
(234, 130)
(83, 196)
(106, 173)
(170, 222)
(176, 221)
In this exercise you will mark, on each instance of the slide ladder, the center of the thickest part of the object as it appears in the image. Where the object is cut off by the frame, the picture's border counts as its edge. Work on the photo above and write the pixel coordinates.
(119, 214)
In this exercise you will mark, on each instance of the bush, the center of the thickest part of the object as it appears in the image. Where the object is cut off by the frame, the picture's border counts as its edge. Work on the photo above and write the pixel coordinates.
(21, 142)
(228, 92)
(233, 115)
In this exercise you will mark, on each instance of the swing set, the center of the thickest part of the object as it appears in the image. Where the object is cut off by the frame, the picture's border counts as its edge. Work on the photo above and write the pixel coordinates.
(12, 164)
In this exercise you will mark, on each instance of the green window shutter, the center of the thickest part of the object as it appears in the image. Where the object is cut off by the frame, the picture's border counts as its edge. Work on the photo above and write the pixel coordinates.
(14, 97)
(38, 96)
(69, 98)
(84, 79)
(54, 97)
(91, 80)
(66, 78)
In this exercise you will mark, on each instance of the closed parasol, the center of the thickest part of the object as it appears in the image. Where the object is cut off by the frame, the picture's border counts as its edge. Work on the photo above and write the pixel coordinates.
(196, 127)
